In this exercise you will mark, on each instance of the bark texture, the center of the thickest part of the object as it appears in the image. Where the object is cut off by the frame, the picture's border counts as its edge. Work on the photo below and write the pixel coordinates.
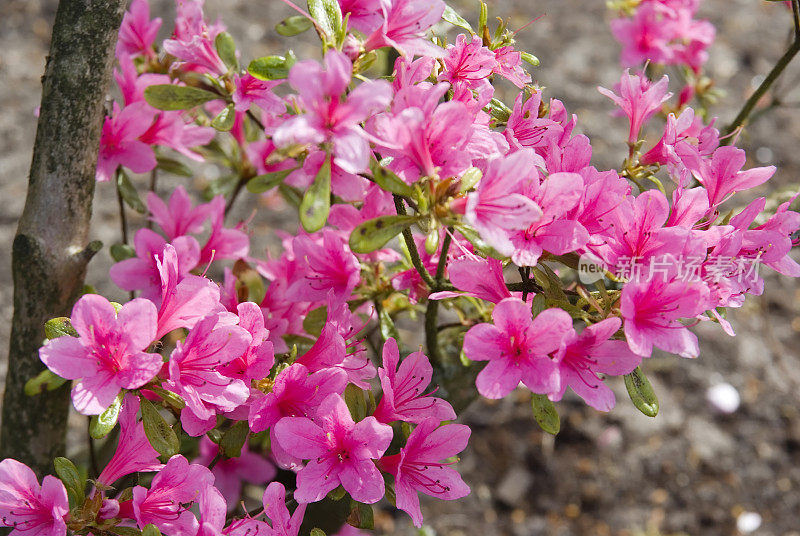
(50, 250)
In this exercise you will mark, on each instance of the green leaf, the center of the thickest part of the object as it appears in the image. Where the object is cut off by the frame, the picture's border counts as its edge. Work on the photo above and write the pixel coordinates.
(316, 204)
(75, 485)
(45, 380)
(470, 178)
(354, 397)
(226, 48)
(432, 241)
(390, 182)
(361, 516)
(337, 494)
(102, 424)
(328, 15)
(545, 413)
(263, 183)
(150, 530)
(530, 58)
(499, 110)
(294, 25)
(374, 234)
(451, 16)
(120, 252)
(388, 329)
(128, 192)
(160, 435)
(641, 392)
(169, 97)
(538, 304)
(173, 166)
(59, 327)
(272, 67)
(173, 399)
(224, 119)
(315, 321)
(316, 532)
(233, 439)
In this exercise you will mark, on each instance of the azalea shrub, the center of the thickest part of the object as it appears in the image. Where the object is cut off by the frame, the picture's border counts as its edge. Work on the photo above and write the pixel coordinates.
(440, 194)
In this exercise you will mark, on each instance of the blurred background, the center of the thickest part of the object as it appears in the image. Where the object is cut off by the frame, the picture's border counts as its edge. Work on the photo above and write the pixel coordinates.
(691, 470)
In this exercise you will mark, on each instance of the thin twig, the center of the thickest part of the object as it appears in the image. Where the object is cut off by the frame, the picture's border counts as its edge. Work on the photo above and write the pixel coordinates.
(432, 307)
(770, 79)
(412, 246)
(123, 219)
(92, 454)
(153, 182)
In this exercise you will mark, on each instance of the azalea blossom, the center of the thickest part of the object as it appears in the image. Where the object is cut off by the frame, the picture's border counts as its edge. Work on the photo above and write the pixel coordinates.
(28, 508)
(109, 353)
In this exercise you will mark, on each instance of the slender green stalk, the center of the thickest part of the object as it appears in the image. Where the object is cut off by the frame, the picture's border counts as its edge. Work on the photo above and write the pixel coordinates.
(432, 308)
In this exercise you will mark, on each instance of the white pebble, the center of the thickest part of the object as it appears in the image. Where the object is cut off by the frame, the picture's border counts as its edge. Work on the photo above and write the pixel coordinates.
(748, 522)
(723, 397)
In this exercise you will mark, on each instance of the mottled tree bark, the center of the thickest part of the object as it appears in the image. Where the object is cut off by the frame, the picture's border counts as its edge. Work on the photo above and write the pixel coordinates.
(50, 251)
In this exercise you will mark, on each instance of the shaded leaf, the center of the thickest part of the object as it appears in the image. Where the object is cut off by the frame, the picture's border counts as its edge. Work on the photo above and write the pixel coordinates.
(224, 119)
(354, 397)
(45, 380)
(641, 392)
(150, 530)
(75, 485)
(328, 15)
(294, 25)
(233, 439)
(128, 192)
(316, 203)
(170, 97)
(120, 252)
(263, 183)
(59, 327)
(272, 67)
(226, 48)
(545, 413)
(173, 166)
(102, 424)
(160, 435)
(451, 16)
(389, 181)
(374, 234)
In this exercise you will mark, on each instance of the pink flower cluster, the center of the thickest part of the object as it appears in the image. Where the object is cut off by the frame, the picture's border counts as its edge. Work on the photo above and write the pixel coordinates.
(666, 32)
(423, 191)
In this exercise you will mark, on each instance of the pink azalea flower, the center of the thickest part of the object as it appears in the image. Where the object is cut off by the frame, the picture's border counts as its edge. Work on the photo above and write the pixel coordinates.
(134, 453)
(256, 362)
(404, 384)
(28, 508)
(408, 73)
(281, 522)
(223, 243)
(418, 467)
(295, 393)
(193, 40)
(590, 354)
(405, 25)
(327, 266)
(229, 473)
(184, 301)
(193, 373)
(525, 128)
(365, 15)
(250, 90)
(722, 176)
(639, 99)
(422, 136)
(213, 511)
(554, 232)
(499, 205)
(330, 114)
(468, 63)
(120, 144)
(173, 490)
(138, 33)
(178, 217)
(131, 83)
(477, 277)
(340, 452)
(509, 66)
(141, 272)
(518, 348)
(644, 36)
(171, 130)
(109, 353)
(652, 309)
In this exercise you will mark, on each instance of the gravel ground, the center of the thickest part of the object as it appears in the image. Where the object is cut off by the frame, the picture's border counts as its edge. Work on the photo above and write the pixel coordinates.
(688, 471)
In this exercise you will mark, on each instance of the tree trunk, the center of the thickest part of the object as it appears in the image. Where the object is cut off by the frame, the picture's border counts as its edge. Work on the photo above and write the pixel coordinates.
(50, 250)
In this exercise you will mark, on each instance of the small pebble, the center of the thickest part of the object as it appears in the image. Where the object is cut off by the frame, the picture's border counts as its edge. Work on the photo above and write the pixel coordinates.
(723, 397)
(748, 522)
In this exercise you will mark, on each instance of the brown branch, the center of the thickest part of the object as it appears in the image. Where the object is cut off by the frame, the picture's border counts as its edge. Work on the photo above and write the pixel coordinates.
(50, 250)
